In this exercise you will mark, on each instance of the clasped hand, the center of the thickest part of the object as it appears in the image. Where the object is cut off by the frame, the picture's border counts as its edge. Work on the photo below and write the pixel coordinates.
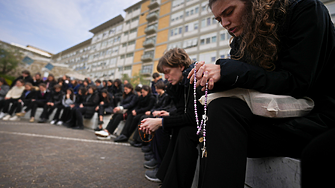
(205, 73)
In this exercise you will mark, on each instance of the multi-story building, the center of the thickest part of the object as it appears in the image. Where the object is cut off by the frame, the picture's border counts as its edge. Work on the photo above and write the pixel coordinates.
(134, 44)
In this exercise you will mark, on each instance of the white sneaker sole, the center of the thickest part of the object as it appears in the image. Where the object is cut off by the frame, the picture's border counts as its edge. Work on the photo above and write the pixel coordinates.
(97, 134)
(152, 179)
(103, 138)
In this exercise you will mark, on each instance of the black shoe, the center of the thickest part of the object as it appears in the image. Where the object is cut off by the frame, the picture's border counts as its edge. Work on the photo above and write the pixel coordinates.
(68, 124)
(136, 143)
(150, 164)
(78, 127)
(97, 129)
(151, 175)
(148, 157)
(146, 149)
(42, 120)
(100, 122)
(121, 138)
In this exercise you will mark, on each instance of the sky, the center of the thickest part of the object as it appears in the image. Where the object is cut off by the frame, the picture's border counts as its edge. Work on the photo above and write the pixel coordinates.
(55, 25)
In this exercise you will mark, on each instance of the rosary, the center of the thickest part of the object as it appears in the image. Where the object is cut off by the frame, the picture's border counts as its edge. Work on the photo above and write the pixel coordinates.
(202, 126)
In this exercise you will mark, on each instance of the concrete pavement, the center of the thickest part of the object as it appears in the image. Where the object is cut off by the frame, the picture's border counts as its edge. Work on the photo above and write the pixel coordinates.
(44, 155)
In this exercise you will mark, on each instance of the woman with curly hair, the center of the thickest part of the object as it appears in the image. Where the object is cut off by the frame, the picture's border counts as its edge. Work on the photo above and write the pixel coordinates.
(280, 47)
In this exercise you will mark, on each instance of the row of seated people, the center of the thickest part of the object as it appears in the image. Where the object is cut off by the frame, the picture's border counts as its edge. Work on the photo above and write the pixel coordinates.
(24, 94)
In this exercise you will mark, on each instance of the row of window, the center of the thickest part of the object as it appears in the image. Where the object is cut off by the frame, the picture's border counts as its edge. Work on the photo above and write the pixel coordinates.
(192, 26)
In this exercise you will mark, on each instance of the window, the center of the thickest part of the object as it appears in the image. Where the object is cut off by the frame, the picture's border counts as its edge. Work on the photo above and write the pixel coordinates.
(129, 55)
(122, 56)
(213, 59)
(131, 42)
(133, 30)
(177, 16)
(124, 45)
(127, 22)
(223, 36)
(127, 68)
(180, 30)
(186, 28)
(125, 33)
(196, 25)
(214, 39)
(202, 41)
(134, 19)
(208, 40)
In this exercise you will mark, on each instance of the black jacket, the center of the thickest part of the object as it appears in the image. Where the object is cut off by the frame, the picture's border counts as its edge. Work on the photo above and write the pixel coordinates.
(182, 96)
(162, 102)
(37, 82)
(31, 95)
(91, 101)
(145, 103)
(305, 66)
(50, 85)
(45, 98)
(80, 99)
(129, 102)
(26, 79)
(56, 98)
(108, 101)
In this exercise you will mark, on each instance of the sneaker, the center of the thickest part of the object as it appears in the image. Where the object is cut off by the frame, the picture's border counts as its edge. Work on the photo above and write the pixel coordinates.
(146, 149)
(104, 138)
(151, 175)
(148, 157)
(101, 133)
(2, 115)
(53, 122)
(6, 118)
(14, 118)
(32, 119)
(150, 164)
(59, 123)
(97, 129)
(121, 138)
(42, 120)
(20, 114)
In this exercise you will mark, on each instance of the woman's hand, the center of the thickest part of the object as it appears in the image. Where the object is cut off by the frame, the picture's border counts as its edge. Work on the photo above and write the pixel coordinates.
(133, 112)
(205, 73)
(147, 113)
(102, 103)
(150, 125)
(97, 108)
(116, 109)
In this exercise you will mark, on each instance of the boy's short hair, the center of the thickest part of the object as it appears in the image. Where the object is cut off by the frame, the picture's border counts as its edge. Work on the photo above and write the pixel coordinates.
(57, 86)
(99, 81)
(160, 85)
(43, 85)
(155, 75)
(25, 72)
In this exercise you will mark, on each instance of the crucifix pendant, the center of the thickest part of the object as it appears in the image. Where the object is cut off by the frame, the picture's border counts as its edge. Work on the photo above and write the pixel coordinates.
(204, 152)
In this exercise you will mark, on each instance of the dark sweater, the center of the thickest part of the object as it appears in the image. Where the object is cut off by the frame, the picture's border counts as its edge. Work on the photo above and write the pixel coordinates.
(129, 102)
(25, 97)
(181, 94)
(56, 98)
(145, 103)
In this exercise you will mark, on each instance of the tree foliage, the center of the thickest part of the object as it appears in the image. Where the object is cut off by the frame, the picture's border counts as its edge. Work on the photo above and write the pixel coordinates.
(136, 79)
(10, 59)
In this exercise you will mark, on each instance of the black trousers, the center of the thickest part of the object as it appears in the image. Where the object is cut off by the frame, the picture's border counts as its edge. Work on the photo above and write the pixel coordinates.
(180, 159)
(33, 107)
(104, 110)
(48, 109)
(159, 145)
(79, 112)
(317, 161)
(114, 122)
(6, 104)
(20, 106)
(234, 133)
(131, 124)
(66, 115)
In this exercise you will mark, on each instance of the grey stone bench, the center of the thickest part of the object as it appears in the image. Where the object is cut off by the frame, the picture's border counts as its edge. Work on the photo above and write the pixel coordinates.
(271, 172)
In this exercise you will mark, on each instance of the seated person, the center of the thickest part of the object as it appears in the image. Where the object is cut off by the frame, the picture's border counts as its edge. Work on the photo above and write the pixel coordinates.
(50, 82)
(63, 84)
(28, 94)
(117, 91)
(68, 103)
(37, 79)
(42, 97)
(75, 86)
(86, 108)
(99, 85)
(55, 101)
(128, 102)
(105, 107)
(80, 98)
(12, 96)
(4, 88)
(145, 103)
(161, 104)
(25, 77)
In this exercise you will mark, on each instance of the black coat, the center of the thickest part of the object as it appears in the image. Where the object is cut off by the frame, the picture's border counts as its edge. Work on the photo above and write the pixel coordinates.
(129, 102)
(56, 97)
(305, 66)
(26, 98)
(145, 104)
(45, 98)
(162, 102)
(91, 101)
(26, 79)
(51, 85)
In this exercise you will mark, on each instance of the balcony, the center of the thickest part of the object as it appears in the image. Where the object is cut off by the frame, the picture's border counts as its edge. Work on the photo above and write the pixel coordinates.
(150, 29)
(153, 4)
(149, 43)
(152, 16)
(146, 72)
(147, 57)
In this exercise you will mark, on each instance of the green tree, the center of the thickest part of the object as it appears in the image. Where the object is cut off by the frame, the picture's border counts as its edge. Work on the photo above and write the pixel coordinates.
(10, 59)
(136, 79)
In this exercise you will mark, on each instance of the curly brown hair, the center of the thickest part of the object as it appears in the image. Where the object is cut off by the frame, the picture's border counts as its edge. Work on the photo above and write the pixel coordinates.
(175, 57)
(260, 41)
